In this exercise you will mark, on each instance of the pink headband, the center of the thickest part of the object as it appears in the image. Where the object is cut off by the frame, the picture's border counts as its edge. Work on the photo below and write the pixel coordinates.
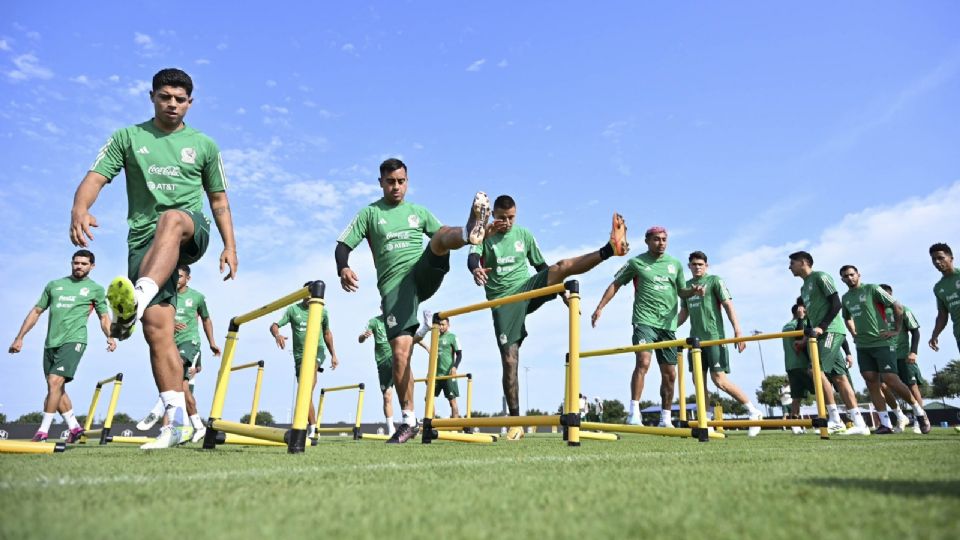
(656, 229)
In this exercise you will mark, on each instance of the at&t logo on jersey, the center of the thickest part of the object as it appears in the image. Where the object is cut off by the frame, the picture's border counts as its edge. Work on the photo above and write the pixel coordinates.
(153, 186)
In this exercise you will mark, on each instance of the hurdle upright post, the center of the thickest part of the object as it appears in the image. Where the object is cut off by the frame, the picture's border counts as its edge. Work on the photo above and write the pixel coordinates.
(308, 369)
(429, 408)
(88, 423)
(469, 394)
(356, 426)
(256, 394)
(573, 357)
(112, 408)
(814, 355)
(683, 388)
(223, 381)
(703, 434)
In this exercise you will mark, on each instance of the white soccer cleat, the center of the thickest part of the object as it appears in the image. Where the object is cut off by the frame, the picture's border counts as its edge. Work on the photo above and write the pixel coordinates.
(797, 430)
(198, 434)
(902, 423)
(753, 431)
(665, 424)
(836, 428)
(148, 422)
(169, 437)
(916, 428)
(634, 420)
(857, 430)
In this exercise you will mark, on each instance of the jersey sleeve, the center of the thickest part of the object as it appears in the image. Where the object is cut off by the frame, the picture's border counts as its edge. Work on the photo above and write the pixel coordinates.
(356, 231)
(883, 297)
(910, 320)
(680, 280)
(456, 344)
(325, 320)
(285, 319)
(213, 176)
(109, 160)
(825, 284)
(99, 301)
(478, 249)
(202, 308)
(533, 251)
(44, 301)
(625, 274)
(430, 222)
(721, 291)
(844, 312)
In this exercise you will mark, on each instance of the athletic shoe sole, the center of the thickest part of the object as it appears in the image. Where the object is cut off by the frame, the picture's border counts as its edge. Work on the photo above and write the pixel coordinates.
(618, 236)
(477, 222)
(123, 303)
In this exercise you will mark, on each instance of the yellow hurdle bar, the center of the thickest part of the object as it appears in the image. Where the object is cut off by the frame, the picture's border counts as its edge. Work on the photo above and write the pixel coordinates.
(308, 372)
(681, 366)
(513, 298)
(466, 437)
(643, 430)
(758, 337)
(718, 415)
(594, 436)
(346, 387)
(258, 432)
(701, 435)
(28, 447)
(334, 429)
(374, 437)
(814, 355)
(104, 433)
(467, 376)
(356, 426)
(292, 298)
(429, 408)
(799, 422)
(497, 421)
(256, 394)
(248, 365)
(130, 440)
(635, 348)
(233, 438)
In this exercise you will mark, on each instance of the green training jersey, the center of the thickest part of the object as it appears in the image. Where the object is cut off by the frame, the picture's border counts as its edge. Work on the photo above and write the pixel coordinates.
(190, 305)
(791, 359)
(296, 316)
(656, 282)
(705, 312)
(70, 302)
(449, 344)
(164, 171)
(947, 291)
(382, 351)
(903, 338)
(395, 235)
(867, 305)
(816, 291)
(506, 255)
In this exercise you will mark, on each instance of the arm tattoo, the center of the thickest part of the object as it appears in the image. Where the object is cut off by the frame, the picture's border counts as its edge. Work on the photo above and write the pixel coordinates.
(221, 210)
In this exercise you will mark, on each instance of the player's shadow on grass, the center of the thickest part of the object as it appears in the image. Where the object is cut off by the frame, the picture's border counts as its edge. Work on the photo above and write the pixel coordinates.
(915, 488)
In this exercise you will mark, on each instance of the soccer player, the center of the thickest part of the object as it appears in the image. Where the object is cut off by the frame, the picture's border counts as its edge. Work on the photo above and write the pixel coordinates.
(658, 280)
(706, 323)
(865, 308)
(407, 274)
(820, 297)
(191, 305)
(500, 265)
(797, 365)
(383, 356)
(169, 166)
(296, 317)
(70, 300)
(449, 356)
(947, 292)
(908, 343)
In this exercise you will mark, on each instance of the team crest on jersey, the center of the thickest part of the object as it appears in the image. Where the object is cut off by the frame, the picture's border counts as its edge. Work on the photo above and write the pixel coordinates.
(188, 155)
(84, 291)
(518, 246)
(391, 320)
(863, 298)
(671, 269)
(413, 220)
(503, 339)
(189, 302)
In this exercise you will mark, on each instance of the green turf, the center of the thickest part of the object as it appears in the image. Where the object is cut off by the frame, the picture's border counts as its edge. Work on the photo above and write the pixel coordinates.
(775, 486)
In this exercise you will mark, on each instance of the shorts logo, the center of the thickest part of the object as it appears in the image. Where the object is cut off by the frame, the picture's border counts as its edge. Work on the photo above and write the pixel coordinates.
(671, 269)
(60, 368)
(84, 291)
(413, 220)
(828, 341)
(518, 246)
(188, 155)
(503, 339)
(391, 320)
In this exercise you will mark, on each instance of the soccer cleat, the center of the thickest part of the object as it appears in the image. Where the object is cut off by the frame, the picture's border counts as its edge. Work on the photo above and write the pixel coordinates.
(665, 424)
(40, 436)
(186, 433)
(836, 428)
(797, 430)
(198, 434)
(169, 437)
(476, 226)
(753, 431)
(634, 420)
(857, 430)
(75, 434)
(403, 434)
(618, 236)
(123, 303)
(883, 430)
(902, 422)
(916, 428)
(468, 430)
(515, 433)
(147, 422)
(924, 424)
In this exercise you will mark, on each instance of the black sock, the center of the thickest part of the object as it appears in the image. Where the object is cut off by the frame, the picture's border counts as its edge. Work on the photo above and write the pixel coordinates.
(606, 251)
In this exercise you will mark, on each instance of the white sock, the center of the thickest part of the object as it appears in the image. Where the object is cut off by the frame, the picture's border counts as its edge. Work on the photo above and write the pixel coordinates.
(158, 407)
(857, 417)
(752, 409)
(665, 416)
(833, 414)
(422, 331)
(635, 407)
(884, 419)
(918, 410)
(195, 421)
(175, 404)
(409, 418)
(390, 427)
(71, 419)
(311, 430)
(47, 420)
(144, 291)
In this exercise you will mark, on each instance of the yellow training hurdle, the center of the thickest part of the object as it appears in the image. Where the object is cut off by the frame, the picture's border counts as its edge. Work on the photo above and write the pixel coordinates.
(467, 376)
(437, 429)
(295, 438)
(28, 447)
(355, 430)
(256, 387)
(103, 433)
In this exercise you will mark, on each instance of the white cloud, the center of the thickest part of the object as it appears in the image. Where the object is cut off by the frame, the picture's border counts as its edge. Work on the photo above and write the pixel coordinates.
(34, 35)
(4, 45)
(312, 193)
(502, 64)
(241, 110)
(28, 67)
(274, 109)
(348, 48)
(138, 88)
(271, 83)
(81, 79)
(114, 78)
(52, 128)
(201, 61)
(143, 41)
(477, 65)
(222, 46)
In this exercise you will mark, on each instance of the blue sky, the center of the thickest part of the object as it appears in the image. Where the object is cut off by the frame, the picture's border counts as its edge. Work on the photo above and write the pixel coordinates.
(749, 130)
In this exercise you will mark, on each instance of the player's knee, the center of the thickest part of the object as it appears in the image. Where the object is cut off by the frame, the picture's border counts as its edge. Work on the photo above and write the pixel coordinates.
(55, 381)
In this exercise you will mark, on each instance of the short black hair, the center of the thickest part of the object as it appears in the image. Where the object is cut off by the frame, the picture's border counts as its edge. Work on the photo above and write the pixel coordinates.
(504, 202)
(887, 288)
(802, 256)
(800, 301)
(185, 268)
(697, 255)
(174, 77)
(940, 246)
(845, 267)
(794, 308)
(84, 253)
(390, 165)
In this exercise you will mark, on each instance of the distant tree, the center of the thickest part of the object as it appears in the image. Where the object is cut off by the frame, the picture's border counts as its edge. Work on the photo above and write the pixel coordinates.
(614, 412)
(3, 418)
(30, 418)
(81, 419)
(264, 418)
(863, 396)
(536, 412)
(946, 382)
(769, 392)
(730, 405)
(479, 414)
(121, 418)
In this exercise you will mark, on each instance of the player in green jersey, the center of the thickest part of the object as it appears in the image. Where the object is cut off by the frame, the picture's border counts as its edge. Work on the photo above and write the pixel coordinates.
(169, 166)
(658, 281)
(449, 356)
(296, 317)
(70, 300)
(706, 323)
(191, 305)
(819, 295)
(796, 364)
(383, 356)
(407, 274)
(865, 313)
(947, 292)
(908, 343)
(500, 266)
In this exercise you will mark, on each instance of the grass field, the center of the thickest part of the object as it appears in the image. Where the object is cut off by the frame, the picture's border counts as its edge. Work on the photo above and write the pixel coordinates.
(775, 486)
